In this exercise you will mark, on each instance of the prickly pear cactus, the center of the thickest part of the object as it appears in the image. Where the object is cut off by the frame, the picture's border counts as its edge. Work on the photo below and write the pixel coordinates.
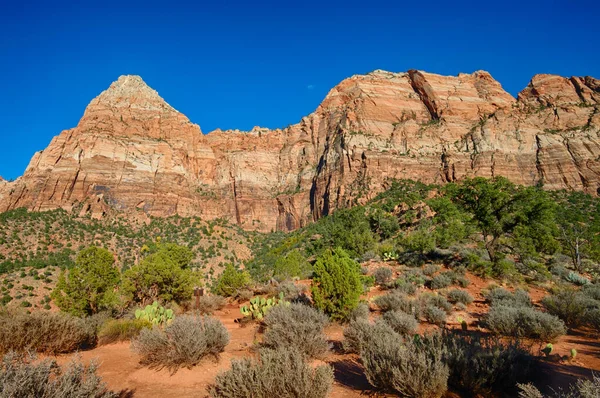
(548, 349)
(156, 314)
(260, 306)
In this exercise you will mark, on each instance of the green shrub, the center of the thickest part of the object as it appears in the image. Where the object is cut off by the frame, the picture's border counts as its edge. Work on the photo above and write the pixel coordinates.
(336, 286)
(44, 332)
(524, 322)
(460, 296)
(401, 322)
(279, 373)
(90, 286)
(435, 315)
(183, 343)
(231, 281)
(294, 264)
(121, 330)
(396, 301)
(383, 276)
(26, 377)
(299, 327)
(407, 367)
(164, 275)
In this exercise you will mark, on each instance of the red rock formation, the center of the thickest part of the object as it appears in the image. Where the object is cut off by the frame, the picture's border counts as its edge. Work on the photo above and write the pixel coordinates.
(133, 152)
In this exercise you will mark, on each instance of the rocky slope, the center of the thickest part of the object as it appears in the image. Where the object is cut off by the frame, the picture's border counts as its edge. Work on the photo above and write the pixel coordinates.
(133, 152)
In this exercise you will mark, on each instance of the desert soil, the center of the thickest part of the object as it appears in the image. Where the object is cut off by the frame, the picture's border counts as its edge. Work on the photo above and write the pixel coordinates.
(120, 368)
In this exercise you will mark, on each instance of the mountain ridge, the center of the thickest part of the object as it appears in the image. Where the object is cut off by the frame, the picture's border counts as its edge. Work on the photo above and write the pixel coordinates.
(133, 152)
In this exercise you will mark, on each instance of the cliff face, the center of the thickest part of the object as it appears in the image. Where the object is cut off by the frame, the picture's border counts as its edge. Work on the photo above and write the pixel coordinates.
(133, 152)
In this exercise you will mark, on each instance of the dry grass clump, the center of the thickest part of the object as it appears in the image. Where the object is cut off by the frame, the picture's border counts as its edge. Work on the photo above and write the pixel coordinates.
(44, 332)
(115, 330)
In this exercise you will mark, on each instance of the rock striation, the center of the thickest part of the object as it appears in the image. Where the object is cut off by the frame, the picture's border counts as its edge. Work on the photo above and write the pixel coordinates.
(133, 152)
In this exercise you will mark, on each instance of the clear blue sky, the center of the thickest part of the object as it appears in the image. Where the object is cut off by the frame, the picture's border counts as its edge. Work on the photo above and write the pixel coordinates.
(253, 63)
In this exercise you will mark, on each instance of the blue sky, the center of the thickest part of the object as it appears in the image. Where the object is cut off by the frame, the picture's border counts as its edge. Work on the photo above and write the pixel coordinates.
(236, 64)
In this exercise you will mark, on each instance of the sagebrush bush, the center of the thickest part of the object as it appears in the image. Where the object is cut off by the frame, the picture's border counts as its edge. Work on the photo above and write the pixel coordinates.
(121, 330)
(430, 269)
(396, 301)
(362, 311)
(524, 322)
(185, 342)
(407, 367)
(573, 307)
(44, 332)
(358, 332)
(583, 388)
(435, 300)
(296, 326)
(383, 276)
(207, 305)
(435, 315)
(403, 286)
(501, 296)
(481, 365)
(25, 377)
(440, 281)
(460, 296)
(278, 373)
(592, 291)
(592, 318)
(401, 322)
(292, 291)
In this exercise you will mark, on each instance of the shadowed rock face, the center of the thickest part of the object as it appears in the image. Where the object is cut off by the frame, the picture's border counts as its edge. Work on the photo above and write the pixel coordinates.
(133, 152)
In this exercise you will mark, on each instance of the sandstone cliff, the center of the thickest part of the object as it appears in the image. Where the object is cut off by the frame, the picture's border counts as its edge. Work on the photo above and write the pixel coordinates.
(133, 152)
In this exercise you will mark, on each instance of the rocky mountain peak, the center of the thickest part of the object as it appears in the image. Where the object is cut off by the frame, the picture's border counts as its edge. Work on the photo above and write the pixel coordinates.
(130, 91)
(133, 152)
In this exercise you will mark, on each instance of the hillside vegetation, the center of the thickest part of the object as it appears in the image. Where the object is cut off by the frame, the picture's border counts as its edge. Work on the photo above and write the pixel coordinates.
(465, 288)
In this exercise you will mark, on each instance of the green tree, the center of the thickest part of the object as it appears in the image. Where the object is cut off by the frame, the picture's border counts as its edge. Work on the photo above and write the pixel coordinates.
(90, 286)
(337, 285)
(293, 264)
(345, 228)
(384, 224)
(231, 281)
(450, 222)
(508, 216)
(164, 275)
(579, 226)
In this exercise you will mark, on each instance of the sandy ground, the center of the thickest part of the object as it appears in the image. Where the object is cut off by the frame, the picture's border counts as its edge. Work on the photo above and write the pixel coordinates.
(121, 370)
